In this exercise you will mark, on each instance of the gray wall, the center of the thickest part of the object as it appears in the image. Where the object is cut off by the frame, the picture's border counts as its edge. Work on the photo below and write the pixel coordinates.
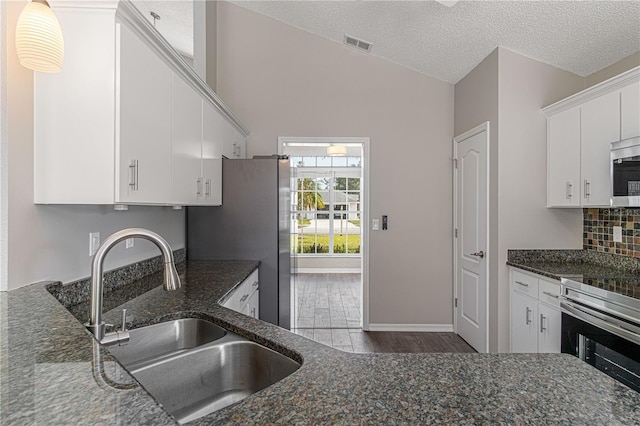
(52, 242)
(476, 101)
(525, 86)
(509, 90)
(282, 81)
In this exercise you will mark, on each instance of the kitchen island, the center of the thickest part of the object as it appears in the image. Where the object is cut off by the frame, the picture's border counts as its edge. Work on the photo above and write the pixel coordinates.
(48, 361)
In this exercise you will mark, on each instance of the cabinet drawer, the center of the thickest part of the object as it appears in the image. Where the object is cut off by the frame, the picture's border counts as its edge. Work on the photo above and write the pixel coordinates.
(549, 292)
(524, 283)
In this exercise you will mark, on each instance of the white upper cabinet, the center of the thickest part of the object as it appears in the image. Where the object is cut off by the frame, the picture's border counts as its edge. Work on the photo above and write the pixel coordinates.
(580, 130)
(563, 164)
(212, 131)
(630, 105)
(599, 126)
(143, 117)
(234, 143)
(127, 120)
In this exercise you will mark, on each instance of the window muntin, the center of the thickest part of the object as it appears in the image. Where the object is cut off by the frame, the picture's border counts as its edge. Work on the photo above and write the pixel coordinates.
(326, 203)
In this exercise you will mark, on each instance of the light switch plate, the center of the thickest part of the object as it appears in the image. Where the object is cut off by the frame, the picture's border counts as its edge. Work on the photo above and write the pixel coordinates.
(375, 224)
(617, 234)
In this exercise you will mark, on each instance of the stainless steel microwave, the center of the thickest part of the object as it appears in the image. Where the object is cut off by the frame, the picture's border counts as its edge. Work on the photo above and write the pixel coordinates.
(625, 173)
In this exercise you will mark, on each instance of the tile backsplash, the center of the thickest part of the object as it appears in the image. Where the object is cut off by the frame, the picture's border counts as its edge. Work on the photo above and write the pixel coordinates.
(598, 230)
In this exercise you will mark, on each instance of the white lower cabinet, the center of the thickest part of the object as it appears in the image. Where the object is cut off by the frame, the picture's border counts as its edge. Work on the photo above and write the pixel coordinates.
(535, 313)
(245, 298)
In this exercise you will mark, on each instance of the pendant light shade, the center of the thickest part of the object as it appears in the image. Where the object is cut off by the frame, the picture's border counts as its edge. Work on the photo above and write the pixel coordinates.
(39, 41)
(336, 150)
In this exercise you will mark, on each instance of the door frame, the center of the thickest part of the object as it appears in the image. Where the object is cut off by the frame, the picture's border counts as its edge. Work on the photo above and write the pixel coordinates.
(365, 141)
(484, 127)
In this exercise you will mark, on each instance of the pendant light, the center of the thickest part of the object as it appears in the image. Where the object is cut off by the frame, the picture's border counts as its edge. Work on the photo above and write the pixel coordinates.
(39, 41)
(336, 150)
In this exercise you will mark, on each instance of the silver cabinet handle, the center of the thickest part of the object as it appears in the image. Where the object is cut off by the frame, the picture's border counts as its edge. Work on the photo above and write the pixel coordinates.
(199, 187)
(522, 284)
(586, 188)
(569, 190)
(479, 254)
(555, 296)
(133, 175)
(243, 298)
(542, 327)
(528, 318)
(207, 188)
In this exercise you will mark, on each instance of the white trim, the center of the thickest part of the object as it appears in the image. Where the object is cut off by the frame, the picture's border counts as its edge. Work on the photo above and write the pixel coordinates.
(428, 328)
(615, 83)
(4, 155)
(328, 270)
(484, 127)
(365, 206)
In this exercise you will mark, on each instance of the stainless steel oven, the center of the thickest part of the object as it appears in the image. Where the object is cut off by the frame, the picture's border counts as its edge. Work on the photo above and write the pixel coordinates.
(602, 328)
(625, 173)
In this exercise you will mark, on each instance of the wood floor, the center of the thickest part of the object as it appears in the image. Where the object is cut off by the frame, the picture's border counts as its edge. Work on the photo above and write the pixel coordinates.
(328, 310)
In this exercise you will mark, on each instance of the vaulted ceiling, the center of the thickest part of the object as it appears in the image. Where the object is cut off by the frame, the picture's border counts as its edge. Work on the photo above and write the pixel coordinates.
(447, 42)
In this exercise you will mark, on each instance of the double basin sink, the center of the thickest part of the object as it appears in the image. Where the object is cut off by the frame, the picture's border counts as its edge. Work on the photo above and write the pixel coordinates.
(194, 367)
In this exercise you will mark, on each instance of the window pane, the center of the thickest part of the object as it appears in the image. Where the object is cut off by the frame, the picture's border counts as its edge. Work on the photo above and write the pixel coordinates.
(324, 161)
(296, 162)
(353, 199)
(353, 184)
(339, 161)
(322, 243)
(309, 161)
(353, 161)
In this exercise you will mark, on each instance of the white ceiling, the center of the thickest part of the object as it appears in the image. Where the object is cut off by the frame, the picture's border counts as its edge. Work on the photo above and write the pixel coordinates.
(448, 42)
(175, 23)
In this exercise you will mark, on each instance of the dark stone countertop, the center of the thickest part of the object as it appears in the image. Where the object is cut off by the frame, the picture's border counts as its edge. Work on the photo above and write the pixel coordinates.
(613, 273)
(46, 365)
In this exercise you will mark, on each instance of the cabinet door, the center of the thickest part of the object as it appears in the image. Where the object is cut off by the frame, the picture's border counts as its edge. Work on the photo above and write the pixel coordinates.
(234, 143)
(253, 307)
(143, 122)
(212, 131)
(630, 111)
(549, 329)
(187, 184)
(600, 125)
(524, 323)
(563, 159)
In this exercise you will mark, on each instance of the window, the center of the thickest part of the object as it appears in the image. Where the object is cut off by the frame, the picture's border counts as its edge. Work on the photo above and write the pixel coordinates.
(326, 205)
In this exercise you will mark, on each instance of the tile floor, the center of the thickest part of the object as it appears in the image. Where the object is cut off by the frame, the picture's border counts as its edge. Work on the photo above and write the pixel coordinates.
(328, 310)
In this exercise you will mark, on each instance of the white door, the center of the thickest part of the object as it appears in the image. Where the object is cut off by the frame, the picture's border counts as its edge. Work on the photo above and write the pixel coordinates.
(471, 214)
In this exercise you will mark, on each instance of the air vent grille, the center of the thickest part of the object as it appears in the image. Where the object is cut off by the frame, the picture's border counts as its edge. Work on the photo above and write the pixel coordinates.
(358, 44)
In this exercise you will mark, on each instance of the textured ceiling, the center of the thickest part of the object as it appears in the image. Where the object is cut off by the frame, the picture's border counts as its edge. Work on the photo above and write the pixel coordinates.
(175, 23)
(447, 42)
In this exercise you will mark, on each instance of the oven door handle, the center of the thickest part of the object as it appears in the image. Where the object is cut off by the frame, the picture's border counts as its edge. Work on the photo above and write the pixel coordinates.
(599, 320)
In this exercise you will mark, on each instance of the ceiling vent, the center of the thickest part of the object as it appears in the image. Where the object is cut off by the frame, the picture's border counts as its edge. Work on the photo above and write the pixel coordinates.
(358, 44)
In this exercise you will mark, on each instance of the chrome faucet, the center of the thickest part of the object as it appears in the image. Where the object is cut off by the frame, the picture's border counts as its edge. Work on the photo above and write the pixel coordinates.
(171, 281)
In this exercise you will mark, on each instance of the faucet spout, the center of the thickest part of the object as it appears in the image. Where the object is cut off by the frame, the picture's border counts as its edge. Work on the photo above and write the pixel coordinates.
(171, 278)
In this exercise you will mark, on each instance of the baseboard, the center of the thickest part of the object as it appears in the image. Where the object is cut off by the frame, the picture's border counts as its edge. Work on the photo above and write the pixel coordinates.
(431, 328)
(328, 270)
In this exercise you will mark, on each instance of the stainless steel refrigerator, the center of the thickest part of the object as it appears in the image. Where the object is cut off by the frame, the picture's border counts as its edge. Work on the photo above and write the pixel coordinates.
(252, 223)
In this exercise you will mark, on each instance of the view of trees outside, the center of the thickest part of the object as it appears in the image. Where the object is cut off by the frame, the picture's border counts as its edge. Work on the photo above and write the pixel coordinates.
(327, 206)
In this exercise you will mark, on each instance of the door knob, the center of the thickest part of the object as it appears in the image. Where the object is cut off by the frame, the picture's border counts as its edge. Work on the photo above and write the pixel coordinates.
(479, 254)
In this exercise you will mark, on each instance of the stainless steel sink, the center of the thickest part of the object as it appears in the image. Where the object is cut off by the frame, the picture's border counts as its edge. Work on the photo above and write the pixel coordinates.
(154, 342)
(203, 373)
